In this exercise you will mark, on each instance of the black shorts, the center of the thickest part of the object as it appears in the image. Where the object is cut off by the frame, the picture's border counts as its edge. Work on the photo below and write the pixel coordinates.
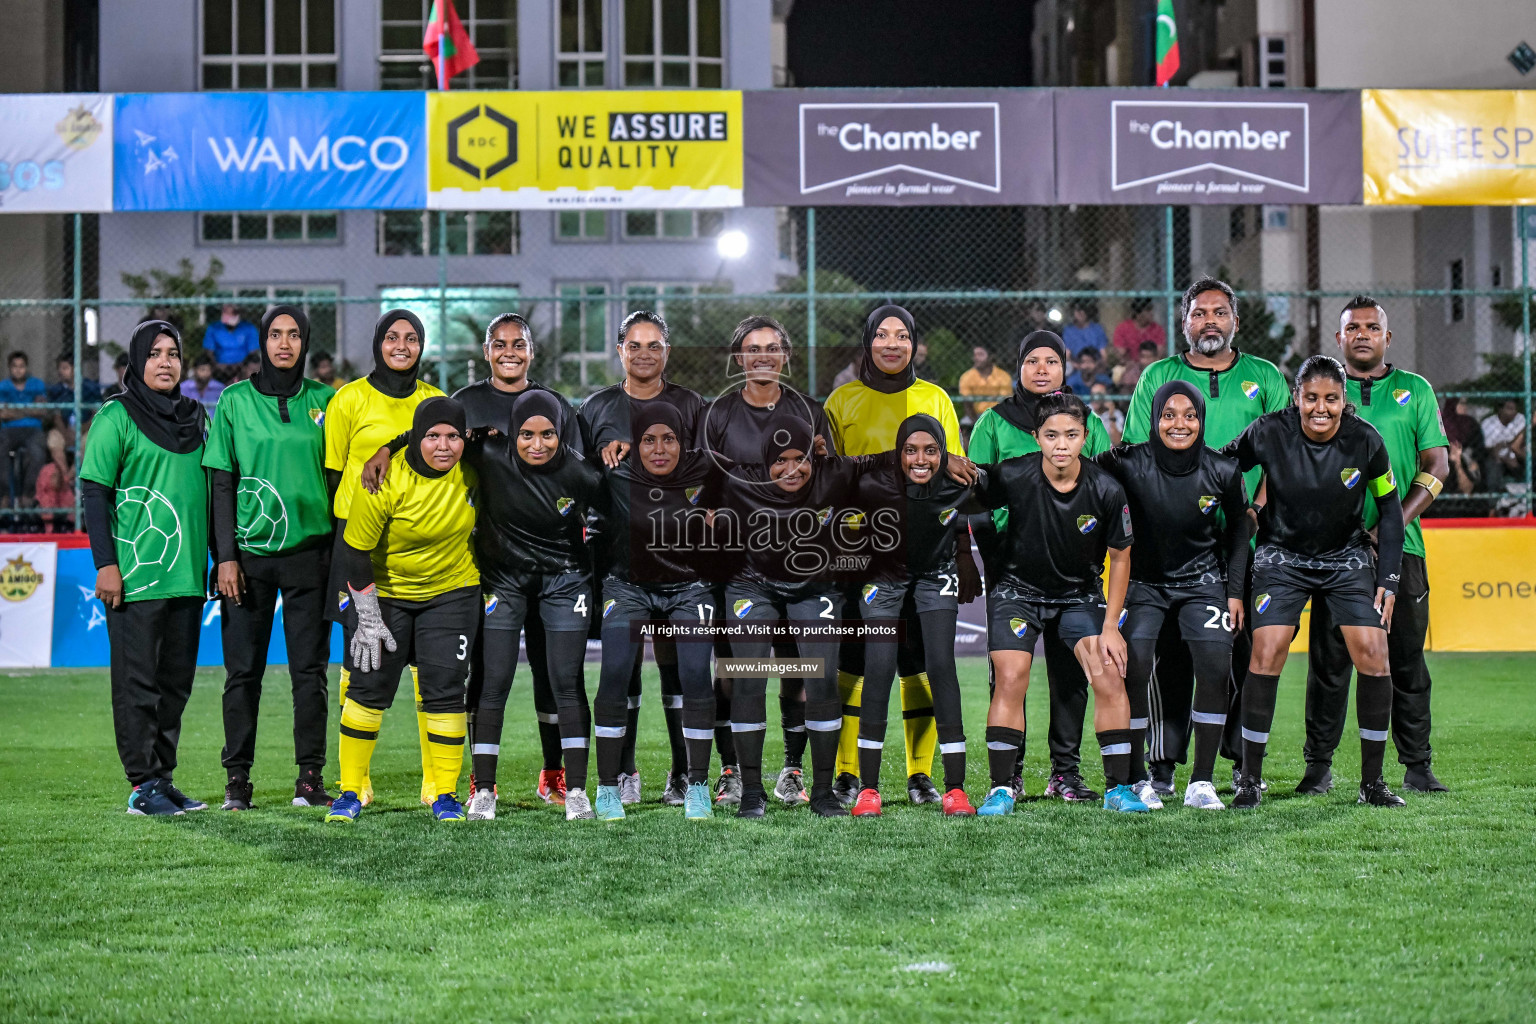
(1201, 612)
(435, 635)
(885, 600)
(564, 601)
(1280, 592)
(753, 601)
(625, 603)
(1016, 620)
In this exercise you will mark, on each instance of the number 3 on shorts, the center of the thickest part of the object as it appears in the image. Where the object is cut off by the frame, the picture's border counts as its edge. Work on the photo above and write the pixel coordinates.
(580, 607)
(463, 646)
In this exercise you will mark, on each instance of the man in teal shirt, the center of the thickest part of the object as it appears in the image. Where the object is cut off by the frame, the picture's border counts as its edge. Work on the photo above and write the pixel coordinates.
(1402, 408)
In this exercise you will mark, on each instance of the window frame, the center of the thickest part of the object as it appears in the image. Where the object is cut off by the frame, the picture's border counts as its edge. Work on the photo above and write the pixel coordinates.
(428, 220)
(696, 237)
(559, 239)
(466, 79)
(599, 57)
(605, 355)
(268, 59)
(658, 58)
(234, 241)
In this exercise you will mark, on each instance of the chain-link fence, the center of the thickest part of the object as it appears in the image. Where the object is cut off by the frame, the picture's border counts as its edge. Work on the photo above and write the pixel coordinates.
(1456, 284)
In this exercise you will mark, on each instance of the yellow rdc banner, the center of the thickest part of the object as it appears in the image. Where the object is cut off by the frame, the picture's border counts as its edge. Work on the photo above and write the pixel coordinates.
(1470, 147)
(559, 150)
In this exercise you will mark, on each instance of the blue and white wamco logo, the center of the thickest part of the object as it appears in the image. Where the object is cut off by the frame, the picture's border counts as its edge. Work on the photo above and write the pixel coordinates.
(348, 153)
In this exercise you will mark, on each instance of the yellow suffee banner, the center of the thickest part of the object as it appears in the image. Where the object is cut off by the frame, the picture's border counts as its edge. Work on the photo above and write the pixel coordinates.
(1442, 148)
(568, 150)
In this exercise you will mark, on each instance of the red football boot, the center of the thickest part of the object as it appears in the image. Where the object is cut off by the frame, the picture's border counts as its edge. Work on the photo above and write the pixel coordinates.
(957, 804)
(867, 805)
(552, 786)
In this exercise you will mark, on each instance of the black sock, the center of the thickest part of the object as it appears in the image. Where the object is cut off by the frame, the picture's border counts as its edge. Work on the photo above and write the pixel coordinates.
(792, 718)
(823, 723)
(1208, 713)
(952, 751)
(549, 737)
(627, 763)
(749, 714)
(724, 741)
(1003, 745)
(1115, 749)
(485, 745)
(1141, 708)
(871, 747)
(672, 711)
(574, 727)
(610, 722)
(698, 735)
(1373, 712)
(1258, 715)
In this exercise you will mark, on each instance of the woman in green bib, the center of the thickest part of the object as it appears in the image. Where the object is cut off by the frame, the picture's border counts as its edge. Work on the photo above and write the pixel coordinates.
(1006, 431)
(146, 511)
(272, 531)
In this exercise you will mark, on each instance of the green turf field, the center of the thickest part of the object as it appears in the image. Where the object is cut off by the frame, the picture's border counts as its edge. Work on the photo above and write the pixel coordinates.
(1308, 909)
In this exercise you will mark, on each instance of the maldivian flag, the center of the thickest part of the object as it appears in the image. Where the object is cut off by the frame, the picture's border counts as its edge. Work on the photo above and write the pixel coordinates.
(449, 46)
(1167, 42)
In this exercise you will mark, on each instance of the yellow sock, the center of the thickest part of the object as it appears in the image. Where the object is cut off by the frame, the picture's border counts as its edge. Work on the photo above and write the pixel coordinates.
(851, 687)
(445, 735)
(359, 734)
(917, 723)
(428, 773)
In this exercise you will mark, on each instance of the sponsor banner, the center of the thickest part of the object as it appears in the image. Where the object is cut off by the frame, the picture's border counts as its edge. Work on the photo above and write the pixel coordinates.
(270, 151)
(1482, 588)
(26, 604)
(56, 153)
(899, 147)
(1129, 146)
(636, 149)
(1470, 147)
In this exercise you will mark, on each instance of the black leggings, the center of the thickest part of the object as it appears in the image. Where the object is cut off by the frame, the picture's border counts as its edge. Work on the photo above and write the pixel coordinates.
(498, 664)
(616, 693)
(880, 666)
(1213, 668)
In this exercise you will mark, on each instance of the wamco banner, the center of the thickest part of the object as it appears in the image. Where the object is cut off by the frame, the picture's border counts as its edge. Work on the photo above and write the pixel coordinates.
(1470, 147)
(899, 147)
(1187, 146)
(56, 153)
(638, 149)
(270, 151)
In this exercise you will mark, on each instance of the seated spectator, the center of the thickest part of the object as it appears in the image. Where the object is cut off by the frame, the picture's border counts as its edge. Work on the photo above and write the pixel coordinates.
(120, 365)
(64, 391)
(920, 365)
(1089, 372)
(21, 438)
(201, 386)
(1147, 353)
(1108, 413)
(247, 369)
(229, 341)
(984, 377)
(323, 369)
(56, 484)
(1137, 329)
(1504, 439)
(1084, 331)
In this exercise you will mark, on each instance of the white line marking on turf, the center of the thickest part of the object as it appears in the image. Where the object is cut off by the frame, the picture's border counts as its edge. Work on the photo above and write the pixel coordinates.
(929, 967)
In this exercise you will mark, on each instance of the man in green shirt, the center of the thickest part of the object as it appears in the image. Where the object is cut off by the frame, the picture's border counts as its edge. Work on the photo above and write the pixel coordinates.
(1239, 388)
(1403, 409)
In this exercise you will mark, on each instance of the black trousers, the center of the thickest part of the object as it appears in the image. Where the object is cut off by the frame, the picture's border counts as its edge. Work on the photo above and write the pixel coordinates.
(300, 578)
(1172, 694)
(1329, 668)
(154, 657)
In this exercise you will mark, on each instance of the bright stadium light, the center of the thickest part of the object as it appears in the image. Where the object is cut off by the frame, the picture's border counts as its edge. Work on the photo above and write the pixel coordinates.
(732, 245)
(1054, 316)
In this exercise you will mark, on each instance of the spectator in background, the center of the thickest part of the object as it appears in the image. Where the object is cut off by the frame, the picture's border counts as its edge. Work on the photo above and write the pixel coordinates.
(1147, 353)
(323, 369)
(247, 369)
(1084, 331)
(1504, 437)
(1089, 372)
(1138, 329)
(64, 391)
(201, 387)
(56, 484)
(920, 365)
(1107, 412)
(984, 377)
(230, 340)
(21, 438)
(1036, 319)
(120, 366)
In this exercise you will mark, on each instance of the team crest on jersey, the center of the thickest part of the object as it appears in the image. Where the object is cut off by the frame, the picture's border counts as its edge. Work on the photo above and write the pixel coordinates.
(563, 505)
(1019, 627)
(824, 516)
(490, 603)
(948, 516)
(1085, 524)
(1350, 476)
(870, 590)
(343, 599)
(741, 607)
(1207, 502)
(318, 415)
(608, 606)
(1401, 396)
(692, 494)
(1261, 603)
(1251, 389)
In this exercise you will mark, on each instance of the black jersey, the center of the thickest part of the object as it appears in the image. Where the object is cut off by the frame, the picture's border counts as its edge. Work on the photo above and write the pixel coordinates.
(735, 428)
(607, 414)
(656, 528)
(1055, 543)
(810, 537)
(1315, 490)
(485, 405)
(912, 527)
(1191, 528)
(530, 519)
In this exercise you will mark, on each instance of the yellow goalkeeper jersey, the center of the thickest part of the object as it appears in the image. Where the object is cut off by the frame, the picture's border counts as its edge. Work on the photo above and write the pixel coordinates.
(418, 529)
(864, 421)
(360, 420)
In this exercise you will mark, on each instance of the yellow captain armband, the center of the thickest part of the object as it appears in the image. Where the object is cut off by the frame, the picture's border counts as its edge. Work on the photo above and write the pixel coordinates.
(1430, 483)
(1383, 485)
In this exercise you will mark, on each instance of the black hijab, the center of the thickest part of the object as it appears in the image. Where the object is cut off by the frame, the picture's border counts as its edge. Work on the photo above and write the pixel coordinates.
(170, 419)
(1019, 408)
(1178, 463)
(915, 424)
(429, 414)
(392, 382)
(785, 432)
(536, 402)
(272, 381)
(876, 378)
(642, 417)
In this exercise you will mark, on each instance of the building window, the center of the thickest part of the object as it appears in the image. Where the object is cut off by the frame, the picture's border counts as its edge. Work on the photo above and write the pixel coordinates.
(585, 339)
(673, 300)
(469, 233)
(269, 44)
(465, 312)
(317, 301)
(673, 224)
(674, 44)
(1456, 280)
(491, 24)
(268, 228)
(581, 225)
(582, 56)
